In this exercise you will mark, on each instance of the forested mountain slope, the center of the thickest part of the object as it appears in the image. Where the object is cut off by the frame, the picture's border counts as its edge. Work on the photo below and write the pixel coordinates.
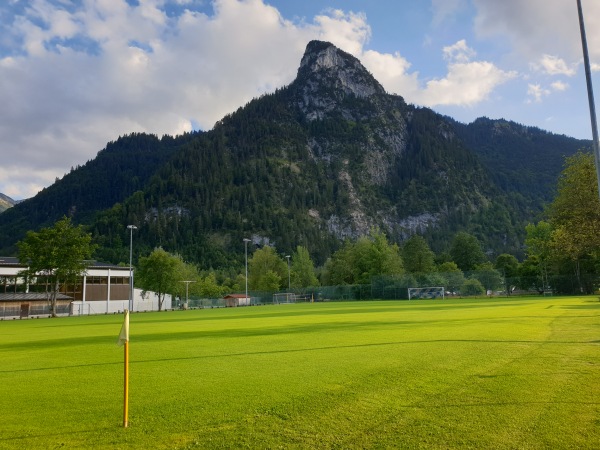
(521, 159)
(122, 168)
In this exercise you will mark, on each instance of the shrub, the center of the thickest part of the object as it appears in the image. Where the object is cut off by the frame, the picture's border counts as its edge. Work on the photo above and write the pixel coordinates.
(472, 286)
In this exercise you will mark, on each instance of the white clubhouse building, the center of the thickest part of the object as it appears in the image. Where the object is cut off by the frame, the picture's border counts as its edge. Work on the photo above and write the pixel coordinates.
(103, 289)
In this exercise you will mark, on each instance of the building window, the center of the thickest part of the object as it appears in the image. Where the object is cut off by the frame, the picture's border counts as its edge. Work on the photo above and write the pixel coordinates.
(119, 280)
(97, 280)
(10, 284)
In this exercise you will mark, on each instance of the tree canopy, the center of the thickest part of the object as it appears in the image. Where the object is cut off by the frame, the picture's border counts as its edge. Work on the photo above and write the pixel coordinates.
(357, 262)
(161, 273)
(417, 256)
(453, 276)
(466, 251)
(302, 269)
(266, 270)
(575, 211)
(567, 245)
(57, 255)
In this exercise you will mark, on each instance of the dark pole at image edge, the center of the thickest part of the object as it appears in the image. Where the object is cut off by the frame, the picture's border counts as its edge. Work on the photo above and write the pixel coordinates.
(590, 91)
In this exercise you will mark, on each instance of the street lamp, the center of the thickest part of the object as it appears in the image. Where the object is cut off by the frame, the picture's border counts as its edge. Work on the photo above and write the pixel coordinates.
(131, 228)
(288, 259)
(246, 240)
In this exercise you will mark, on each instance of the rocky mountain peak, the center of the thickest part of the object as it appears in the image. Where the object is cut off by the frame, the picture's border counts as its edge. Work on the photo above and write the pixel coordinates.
(327, 76)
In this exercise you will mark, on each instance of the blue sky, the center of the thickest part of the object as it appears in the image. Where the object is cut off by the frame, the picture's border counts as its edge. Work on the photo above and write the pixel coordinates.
(75, 74)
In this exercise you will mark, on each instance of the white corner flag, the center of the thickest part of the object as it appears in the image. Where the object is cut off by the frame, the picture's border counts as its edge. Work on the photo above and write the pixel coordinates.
(124, 334)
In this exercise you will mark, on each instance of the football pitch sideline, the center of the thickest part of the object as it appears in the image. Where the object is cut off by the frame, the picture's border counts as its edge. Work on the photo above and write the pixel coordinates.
(498, 373)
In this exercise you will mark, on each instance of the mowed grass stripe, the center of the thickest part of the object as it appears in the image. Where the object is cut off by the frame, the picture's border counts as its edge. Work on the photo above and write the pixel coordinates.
(502, 373)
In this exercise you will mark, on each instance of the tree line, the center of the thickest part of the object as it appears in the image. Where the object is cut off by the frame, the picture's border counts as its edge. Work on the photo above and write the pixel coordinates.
(562, 256)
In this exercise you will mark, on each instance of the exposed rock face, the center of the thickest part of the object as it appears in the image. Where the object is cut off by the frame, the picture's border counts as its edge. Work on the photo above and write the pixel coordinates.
(328, 76)
(6, 202)
(361, 223)
(376, 146)
(418, 224)
(332, 85)
(172, 211)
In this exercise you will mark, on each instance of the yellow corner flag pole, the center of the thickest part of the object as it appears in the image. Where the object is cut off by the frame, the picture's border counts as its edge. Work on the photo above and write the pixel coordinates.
(124, 341)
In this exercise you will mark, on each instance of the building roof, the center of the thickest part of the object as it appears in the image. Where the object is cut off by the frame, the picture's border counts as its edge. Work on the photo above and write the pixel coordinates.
(29, 296)
(11, 261)
(92, 264)
(235, 296)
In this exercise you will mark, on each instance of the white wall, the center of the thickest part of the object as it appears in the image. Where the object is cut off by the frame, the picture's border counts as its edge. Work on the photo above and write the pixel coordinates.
(149, 302)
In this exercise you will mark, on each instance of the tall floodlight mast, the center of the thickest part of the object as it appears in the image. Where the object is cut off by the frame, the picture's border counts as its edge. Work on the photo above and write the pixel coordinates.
(246, 240)
(590, 91)
(131, 301)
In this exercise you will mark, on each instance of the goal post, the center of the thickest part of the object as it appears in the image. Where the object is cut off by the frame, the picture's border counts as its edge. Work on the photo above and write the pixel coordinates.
(284, 297)
(426, 292)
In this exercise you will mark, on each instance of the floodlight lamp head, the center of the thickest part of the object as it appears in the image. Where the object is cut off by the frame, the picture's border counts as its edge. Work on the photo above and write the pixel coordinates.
(246, 240)
(131, 227)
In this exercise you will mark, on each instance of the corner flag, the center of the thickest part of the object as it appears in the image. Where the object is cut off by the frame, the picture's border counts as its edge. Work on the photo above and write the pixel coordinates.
(124, 334)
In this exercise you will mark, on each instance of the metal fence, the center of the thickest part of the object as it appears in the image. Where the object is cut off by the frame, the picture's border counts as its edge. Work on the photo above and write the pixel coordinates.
(9, 311)
(198, 303)
(396, 288)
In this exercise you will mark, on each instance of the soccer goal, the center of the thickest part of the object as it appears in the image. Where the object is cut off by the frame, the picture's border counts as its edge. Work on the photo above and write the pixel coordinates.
(284, 297)
(426, 292)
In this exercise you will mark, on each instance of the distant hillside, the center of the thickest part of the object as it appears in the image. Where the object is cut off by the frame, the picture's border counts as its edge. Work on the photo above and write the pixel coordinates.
(122, 168)
(326, 158)
(520, 158)
(6, 202)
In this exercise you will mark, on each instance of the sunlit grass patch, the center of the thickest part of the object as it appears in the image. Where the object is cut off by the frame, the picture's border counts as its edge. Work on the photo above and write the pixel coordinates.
(502, 373)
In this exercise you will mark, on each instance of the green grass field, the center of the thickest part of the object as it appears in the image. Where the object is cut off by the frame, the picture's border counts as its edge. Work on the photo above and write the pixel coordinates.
(501, 373)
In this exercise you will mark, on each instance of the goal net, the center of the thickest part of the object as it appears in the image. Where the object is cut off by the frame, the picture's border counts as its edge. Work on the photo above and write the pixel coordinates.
(425, 292)
(284, 297)
(305, 298)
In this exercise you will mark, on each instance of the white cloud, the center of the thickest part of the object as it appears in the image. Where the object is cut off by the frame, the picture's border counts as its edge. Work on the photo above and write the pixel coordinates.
(348, 31)
(459, 52)
(537, 27)
(62, 104)
(553, 65)
(392, 71)
(466, 84)
(542, 36)
(19, 180)
(536, 92)
(559, 86)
